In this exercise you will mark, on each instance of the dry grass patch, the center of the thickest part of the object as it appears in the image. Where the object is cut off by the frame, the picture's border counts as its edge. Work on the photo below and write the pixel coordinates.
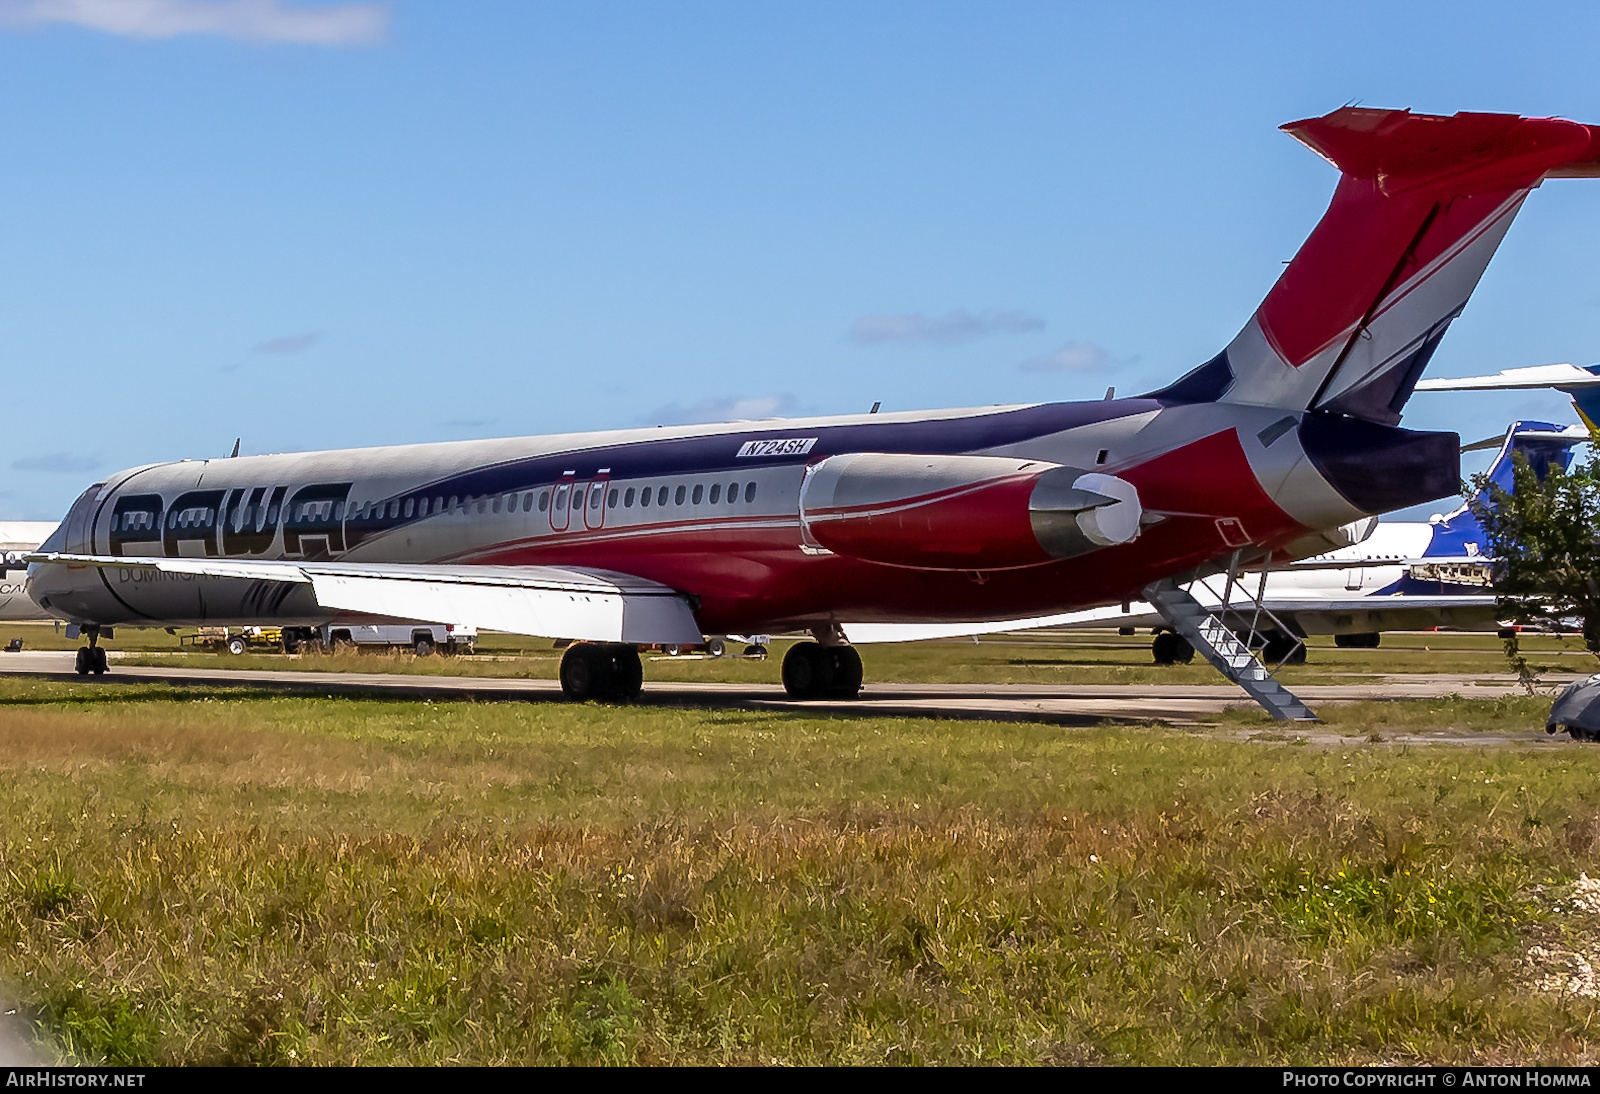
(215, 877)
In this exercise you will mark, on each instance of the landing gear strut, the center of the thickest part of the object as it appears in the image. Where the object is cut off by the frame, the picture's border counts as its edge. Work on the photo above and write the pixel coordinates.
(593, 670)
(91, 658)
(815, 671)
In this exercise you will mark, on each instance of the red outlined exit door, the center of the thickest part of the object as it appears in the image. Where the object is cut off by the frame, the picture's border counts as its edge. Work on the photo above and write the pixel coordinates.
(562, 498)
(594, 509)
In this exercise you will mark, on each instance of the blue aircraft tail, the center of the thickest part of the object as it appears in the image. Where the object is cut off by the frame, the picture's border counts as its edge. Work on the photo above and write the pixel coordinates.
(1460, 534)
(1586, 401)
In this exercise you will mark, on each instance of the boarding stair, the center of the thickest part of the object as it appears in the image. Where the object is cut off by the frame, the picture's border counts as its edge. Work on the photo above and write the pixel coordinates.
(1231, 655)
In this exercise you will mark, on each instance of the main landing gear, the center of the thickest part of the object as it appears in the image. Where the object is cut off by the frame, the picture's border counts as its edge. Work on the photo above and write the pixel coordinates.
(1168, 648)
(91, 658)
(1284, 649)
(812, 670)
(595, 670)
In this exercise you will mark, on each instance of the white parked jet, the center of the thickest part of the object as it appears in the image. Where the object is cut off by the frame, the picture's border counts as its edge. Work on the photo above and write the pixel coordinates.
(17, 539)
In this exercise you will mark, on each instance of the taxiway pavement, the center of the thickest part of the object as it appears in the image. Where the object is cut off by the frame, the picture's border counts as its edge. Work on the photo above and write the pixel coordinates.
(1063, 704)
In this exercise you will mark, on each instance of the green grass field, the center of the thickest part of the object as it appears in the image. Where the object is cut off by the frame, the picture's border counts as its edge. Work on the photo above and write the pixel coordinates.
(222, 876)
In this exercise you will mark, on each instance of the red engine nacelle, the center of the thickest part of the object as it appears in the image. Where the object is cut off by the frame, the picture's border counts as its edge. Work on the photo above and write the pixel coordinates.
(963, 512)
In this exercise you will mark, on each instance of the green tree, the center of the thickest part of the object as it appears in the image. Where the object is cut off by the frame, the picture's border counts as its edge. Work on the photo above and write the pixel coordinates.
(1545, 538)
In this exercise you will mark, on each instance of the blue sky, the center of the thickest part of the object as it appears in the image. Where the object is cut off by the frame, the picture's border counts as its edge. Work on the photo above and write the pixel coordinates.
(321, 225)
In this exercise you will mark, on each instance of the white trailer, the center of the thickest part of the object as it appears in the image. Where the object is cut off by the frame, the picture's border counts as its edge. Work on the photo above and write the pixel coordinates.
(423, 638)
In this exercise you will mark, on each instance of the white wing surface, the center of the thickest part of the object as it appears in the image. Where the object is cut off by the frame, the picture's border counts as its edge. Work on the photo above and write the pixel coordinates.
(544, 601)
(1333, 616)
(1563, 376)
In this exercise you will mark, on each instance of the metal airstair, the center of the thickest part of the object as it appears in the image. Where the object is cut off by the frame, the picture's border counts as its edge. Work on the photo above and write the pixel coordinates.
(1206, 630)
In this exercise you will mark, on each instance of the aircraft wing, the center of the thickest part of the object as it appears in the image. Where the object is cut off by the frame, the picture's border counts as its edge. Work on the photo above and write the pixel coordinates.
(1397, 612)
(1346, 615)
(1562, 377)
(1111, 615)
(545, 601)
(1323, 562)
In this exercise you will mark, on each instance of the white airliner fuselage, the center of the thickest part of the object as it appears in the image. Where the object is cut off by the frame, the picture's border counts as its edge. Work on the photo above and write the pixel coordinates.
(1264, 452)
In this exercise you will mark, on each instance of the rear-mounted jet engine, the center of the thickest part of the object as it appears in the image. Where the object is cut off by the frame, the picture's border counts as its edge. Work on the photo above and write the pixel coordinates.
(963, 512)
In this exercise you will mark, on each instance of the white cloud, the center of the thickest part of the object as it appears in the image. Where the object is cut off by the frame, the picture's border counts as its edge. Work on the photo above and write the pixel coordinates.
(294, 343)
(264, 21)
(56, 463)
(1072, 357)
(945, 330)
(726, 409)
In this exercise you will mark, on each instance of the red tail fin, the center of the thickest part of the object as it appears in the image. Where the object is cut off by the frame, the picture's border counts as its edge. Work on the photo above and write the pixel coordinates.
(1423, 203)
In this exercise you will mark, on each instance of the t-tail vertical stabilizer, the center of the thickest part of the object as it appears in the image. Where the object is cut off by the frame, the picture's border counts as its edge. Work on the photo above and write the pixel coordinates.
(1543, 444)
(1421, 204)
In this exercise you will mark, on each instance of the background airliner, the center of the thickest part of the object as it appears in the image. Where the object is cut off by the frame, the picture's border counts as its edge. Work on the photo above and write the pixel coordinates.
(1272, 449)
(19, 538)
(1580, 383)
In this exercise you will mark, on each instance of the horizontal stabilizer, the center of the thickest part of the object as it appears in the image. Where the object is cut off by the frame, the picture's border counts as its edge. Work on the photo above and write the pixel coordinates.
(1573, 434)
(1561, 377)
(543, 601)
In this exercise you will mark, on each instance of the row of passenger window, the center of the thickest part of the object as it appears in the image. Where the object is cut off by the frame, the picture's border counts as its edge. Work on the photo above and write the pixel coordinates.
(319, 511)
(510, 503)
(659, 496)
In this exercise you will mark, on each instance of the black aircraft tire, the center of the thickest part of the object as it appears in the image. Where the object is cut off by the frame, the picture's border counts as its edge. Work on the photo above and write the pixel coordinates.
(592, 671)
(847, 672)
(97, 659)
(626, 672)
(1285, 650)
(1168, 648)
(80, 664)
(802, 671)
(580, 676)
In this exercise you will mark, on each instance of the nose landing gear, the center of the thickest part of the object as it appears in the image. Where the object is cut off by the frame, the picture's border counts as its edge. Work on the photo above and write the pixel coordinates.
(91, 658)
